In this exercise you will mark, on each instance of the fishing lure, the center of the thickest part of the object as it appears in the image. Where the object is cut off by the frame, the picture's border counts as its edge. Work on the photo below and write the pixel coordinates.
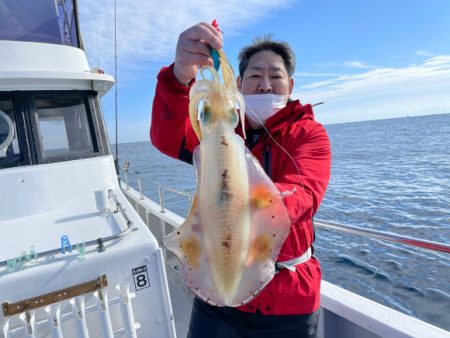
(214, 53)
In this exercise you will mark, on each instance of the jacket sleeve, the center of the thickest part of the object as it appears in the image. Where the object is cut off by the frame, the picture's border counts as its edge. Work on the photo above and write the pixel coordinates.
(170, 130)
(303, 179)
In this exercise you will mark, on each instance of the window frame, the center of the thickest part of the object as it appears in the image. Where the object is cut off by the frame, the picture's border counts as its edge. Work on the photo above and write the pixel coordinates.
(22, 131)
(28, 131)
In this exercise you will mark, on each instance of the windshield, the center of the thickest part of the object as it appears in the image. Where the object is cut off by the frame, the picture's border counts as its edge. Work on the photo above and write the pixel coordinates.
(51, 21)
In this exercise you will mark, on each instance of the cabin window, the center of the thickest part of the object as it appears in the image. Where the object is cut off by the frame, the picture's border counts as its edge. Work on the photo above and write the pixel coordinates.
(50, 126)
(9, 145)
(64, 128)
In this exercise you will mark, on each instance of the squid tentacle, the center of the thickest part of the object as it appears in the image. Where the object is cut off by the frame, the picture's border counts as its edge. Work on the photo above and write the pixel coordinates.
(202, 90)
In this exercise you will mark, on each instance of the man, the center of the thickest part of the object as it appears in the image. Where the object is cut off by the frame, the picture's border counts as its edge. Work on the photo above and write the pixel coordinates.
(295, 152)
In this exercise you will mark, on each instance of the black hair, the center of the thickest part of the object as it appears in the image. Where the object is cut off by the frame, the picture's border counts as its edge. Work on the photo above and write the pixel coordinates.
(259, 44)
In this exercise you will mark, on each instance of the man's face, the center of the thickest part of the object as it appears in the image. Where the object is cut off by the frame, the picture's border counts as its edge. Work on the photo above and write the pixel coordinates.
(265, 74)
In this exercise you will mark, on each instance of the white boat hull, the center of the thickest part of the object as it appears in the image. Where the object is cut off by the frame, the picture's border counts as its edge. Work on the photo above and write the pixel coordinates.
(38, 213)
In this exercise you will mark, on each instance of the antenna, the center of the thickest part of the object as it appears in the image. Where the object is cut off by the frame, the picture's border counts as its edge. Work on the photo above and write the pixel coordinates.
(96, 37)
(116, 161)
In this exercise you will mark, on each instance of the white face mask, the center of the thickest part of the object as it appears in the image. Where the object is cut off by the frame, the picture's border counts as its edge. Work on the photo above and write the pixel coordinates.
(259, 107)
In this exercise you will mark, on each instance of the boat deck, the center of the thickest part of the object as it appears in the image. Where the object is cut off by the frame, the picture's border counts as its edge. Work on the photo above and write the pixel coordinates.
(181, 298)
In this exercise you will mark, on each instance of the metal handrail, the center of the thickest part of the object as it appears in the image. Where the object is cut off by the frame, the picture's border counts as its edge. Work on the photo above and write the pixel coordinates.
(161, 187)
(382, 235)
(99, 241)
(180, 192)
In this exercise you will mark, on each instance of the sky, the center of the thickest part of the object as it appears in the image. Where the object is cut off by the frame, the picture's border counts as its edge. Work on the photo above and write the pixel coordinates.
(366, 59)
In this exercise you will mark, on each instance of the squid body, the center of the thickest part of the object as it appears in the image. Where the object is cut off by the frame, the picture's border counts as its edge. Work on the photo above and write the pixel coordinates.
(230, 241)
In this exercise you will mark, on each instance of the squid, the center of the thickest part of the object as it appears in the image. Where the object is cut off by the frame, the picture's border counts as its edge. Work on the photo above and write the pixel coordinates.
(229, 243)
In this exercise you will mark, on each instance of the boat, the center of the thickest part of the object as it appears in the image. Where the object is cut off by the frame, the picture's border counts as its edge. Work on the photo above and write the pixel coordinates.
(81, 251)
(76, 260)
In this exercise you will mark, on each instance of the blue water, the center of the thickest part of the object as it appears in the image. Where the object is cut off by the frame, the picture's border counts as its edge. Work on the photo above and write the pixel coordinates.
(391, 175)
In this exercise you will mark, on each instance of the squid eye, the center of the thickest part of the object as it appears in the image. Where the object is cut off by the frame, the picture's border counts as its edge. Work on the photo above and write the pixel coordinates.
(205, 114)
(232, 115)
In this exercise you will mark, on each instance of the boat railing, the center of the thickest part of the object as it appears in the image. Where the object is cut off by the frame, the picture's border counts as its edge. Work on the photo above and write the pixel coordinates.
(384, 235)
(350, 229)
(80, 247)
(161, 188)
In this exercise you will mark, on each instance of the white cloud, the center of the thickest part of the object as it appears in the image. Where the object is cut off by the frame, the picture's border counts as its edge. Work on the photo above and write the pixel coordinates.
(356, 64)
(343, 64)
(383, 92)
(422, 52)
(315, 74)
(148, 30)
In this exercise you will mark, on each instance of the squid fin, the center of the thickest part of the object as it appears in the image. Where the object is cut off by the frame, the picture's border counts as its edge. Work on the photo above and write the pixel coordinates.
(270, 226)
(186, 242)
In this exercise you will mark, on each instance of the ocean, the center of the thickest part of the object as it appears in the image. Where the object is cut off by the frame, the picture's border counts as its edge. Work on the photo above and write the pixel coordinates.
(388, 175)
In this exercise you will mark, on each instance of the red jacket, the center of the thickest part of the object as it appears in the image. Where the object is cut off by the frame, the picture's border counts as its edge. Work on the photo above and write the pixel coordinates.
(307, 142)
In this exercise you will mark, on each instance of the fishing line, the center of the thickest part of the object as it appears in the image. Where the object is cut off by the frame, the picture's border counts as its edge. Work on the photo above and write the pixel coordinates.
(279, 145)
(289, 155)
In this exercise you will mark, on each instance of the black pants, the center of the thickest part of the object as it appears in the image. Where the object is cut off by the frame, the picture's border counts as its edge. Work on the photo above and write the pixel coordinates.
(225, 322)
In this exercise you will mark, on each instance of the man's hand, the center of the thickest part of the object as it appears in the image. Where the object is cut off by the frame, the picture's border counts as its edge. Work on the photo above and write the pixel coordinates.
(193, 50)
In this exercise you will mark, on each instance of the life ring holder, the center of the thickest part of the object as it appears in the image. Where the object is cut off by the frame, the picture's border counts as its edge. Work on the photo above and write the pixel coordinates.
(4, 145)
